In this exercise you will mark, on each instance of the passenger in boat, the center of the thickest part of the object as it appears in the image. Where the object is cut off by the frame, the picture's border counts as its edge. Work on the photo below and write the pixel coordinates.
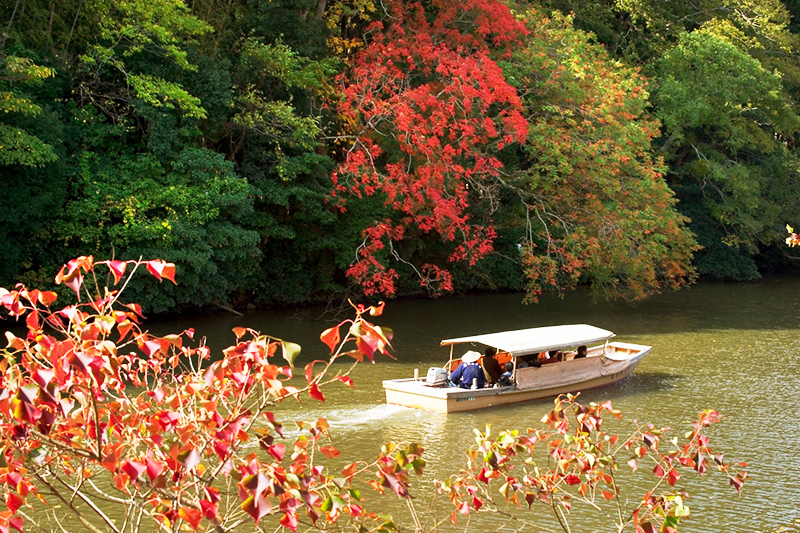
(581, 352)
(491, 368)
(528, 360)
(553, 356)
(506, 379)
(468, 370)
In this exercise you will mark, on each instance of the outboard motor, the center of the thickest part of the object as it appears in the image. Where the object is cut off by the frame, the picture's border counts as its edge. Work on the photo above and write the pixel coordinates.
(437, 377)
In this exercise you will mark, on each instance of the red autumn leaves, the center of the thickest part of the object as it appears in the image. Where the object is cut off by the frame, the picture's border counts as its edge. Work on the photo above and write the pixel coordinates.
(574, 461)
(430, 84)
(87, 391)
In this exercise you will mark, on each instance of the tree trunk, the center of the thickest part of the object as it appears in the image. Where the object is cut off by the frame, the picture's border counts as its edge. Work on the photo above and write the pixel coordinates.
(74, 22)
(320, 9)
(8, 30)
(50, 23)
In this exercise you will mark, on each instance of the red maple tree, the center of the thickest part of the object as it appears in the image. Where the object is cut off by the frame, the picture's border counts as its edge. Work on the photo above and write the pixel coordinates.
(429, 109)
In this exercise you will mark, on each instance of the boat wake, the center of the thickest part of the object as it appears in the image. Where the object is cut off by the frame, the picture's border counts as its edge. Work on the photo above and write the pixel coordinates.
(354, 419)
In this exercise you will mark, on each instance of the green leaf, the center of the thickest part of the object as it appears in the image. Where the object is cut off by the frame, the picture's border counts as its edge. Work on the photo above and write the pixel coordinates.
(17, 147)
(327, 505)
(290, 351)
(162, 93)
(37, 455)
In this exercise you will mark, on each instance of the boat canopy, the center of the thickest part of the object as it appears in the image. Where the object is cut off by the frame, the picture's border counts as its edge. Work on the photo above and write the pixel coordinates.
(536, 340)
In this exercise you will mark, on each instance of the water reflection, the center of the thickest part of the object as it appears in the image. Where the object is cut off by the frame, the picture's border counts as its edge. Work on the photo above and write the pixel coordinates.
(732, 347)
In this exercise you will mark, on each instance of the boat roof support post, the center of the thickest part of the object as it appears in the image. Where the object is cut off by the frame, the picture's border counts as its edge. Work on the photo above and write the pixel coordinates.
(514, 372)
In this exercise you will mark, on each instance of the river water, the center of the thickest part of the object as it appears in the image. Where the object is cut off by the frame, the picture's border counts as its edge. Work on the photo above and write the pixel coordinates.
(730, 347)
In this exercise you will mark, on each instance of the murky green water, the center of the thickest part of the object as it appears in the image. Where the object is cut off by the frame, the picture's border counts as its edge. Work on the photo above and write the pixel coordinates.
(734, 348)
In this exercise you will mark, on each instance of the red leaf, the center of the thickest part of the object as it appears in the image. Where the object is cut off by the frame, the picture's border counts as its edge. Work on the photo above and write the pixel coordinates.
(209, 509)
(121, 481)
(222, 448)
(117, 269)
(151, 347)
(477, 503)
(315, 393)
(289, 520)
(134, 469)
(193, 516)
(16, 522)
(47, 297)
(256, 483)
(13, 502)
(257, 507)
(346, 380)
(608, 495)
(32, 321)
(367, 346)
(136, 308)
(377, 310)
(154, 468)
(330, 451)
(701, 463)
(124, 328)
(309, 370)
(399, 488)
(331, 337)
(647, 527)
(213, 494)
(157, 395)
(658, 471)
(277, 451)
(43, 376)
(72, 279)
(673, 477)
(161, 269)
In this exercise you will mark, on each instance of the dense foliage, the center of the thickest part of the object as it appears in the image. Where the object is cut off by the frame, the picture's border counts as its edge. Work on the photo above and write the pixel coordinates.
(292, 150)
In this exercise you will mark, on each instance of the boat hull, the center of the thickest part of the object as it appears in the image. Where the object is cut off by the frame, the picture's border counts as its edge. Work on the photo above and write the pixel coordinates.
(559, 378)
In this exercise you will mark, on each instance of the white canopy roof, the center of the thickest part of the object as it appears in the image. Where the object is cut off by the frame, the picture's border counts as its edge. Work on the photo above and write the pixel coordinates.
(536, 340)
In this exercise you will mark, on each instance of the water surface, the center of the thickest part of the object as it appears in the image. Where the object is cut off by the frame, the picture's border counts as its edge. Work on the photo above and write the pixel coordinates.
(730, 347)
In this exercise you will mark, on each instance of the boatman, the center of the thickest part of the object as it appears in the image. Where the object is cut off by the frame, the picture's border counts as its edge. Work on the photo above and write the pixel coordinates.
(491, 368)
(469, 370)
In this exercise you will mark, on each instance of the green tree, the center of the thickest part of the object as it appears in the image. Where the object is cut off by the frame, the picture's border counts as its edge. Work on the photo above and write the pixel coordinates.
(30, 167)
(726, 121)
(595, 204)
(17, 108)
(274, 134)
(725, 191)
(193, 211)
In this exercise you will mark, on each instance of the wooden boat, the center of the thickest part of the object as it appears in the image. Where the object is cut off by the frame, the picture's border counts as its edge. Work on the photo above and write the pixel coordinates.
(605, 363)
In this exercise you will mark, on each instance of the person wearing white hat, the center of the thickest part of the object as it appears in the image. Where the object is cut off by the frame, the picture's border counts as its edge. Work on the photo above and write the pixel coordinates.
(468, 370)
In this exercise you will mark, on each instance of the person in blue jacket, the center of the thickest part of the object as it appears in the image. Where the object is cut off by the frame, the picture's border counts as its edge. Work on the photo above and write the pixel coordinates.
(467, 370)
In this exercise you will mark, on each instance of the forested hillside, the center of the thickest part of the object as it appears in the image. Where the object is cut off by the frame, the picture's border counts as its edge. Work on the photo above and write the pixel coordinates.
(284, 151)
